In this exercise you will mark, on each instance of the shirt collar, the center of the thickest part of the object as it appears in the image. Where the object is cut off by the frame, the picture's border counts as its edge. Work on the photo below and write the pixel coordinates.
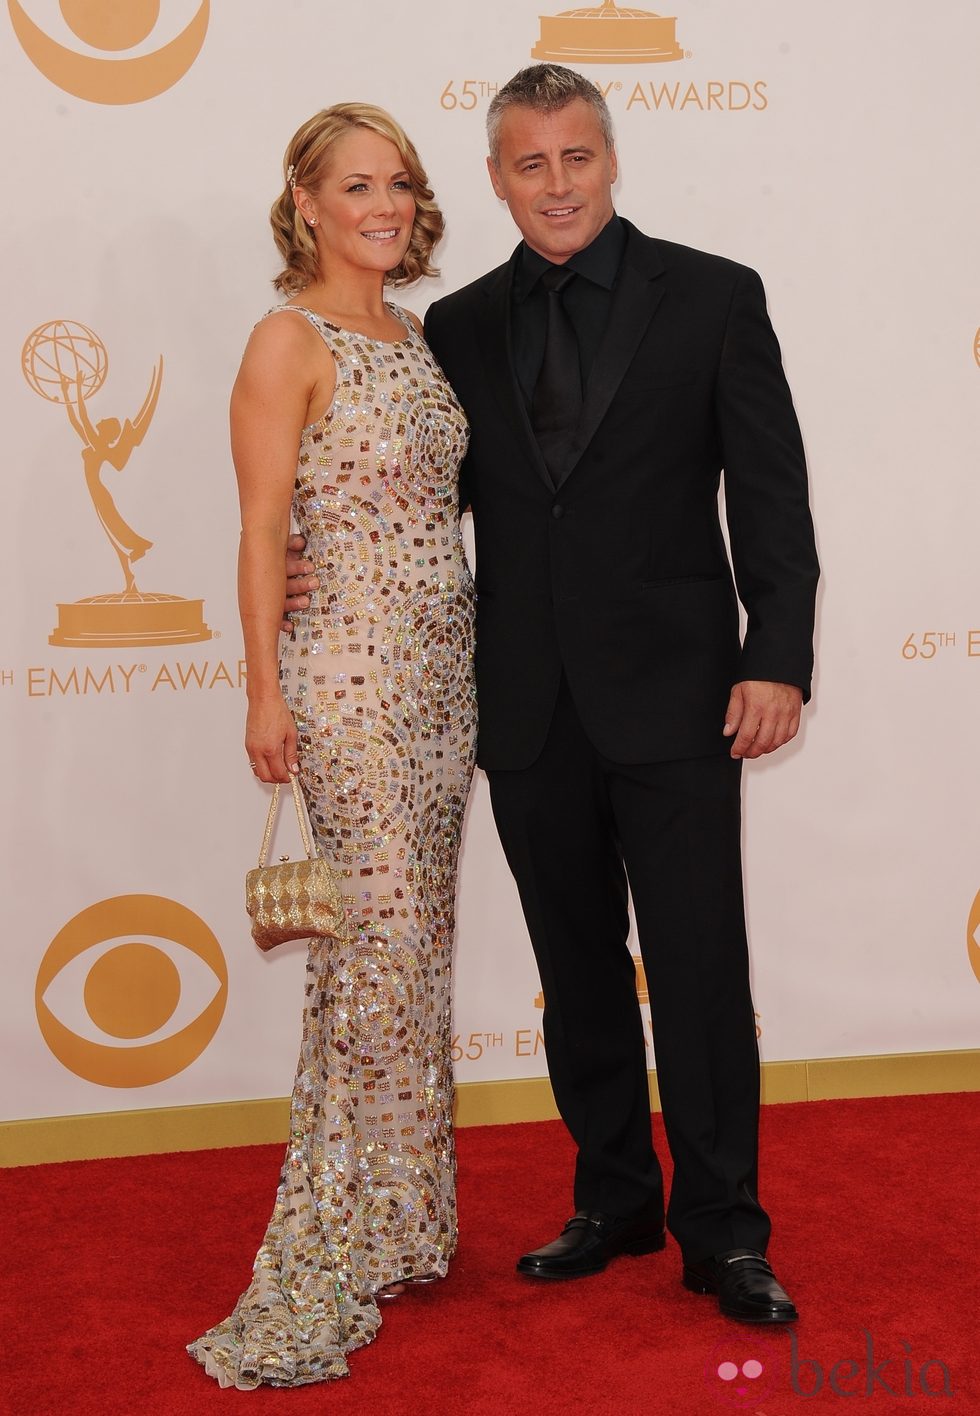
(598, 262)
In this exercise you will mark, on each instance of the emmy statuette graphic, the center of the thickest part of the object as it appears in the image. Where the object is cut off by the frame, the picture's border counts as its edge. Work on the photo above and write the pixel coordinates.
(608, 34)
(65, 362)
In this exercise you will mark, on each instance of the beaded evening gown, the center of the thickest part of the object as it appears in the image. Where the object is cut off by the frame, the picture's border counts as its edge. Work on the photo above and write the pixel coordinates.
(379, 677)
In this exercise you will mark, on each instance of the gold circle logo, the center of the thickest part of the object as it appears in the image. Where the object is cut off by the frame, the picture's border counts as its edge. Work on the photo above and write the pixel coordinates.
(973, 937)
(111, 27)
(976, 347)
(131, 991)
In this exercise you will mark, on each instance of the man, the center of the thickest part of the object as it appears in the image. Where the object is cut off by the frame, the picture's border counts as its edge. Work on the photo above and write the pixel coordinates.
(608, 379)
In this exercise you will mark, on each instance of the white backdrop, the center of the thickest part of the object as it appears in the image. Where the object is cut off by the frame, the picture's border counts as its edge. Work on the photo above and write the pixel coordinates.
(833, 147)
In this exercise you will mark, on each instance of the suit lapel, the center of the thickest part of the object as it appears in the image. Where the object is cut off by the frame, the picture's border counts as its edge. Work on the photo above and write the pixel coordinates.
(639, 290)
(499, 360)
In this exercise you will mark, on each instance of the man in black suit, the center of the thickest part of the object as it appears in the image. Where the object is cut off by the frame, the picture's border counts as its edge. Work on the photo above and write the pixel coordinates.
(609, 378)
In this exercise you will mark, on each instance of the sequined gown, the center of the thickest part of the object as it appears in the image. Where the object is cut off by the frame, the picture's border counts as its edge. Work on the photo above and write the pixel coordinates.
(379, 677)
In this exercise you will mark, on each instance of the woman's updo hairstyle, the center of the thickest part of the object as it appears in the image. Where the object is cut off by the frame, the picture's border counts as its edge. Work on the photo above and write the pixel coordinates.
(304, 166)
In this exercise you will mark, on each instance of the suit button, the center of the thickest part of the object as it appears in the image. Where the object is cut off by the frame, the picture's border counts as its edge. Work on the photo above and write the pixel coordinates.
(558, 511)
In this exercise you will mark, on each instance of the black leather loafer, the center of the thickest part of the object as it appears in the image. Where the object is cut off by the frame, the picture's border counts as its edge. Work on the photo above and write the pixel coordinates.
(745, 1284)
(589, 1240)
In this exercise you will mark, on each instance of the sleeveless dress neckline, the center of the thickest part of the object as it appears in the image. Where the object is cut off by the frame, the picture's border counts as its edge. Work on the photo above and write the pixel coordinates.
(396, 310)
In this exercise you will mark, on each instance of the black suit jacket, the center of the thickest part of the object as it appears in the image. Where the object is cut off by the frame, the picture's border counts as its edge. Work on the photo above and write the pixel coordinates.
(620, 575)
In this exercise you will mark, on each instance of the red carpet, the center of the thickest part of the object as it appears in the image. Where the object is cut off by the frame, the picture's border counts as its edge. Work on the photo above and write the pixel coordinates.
(110, 1267)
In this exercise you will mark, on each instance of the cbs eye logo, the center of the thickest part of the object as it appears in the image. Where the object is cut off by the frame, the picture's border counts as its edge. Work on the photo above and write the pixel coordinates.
(973, 937)
(111, 27)
(131, 991)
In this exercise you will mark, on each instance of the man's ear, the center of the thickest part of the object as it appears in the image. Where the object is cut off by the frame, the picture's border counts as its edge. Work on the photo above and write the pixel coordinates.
(495, 178)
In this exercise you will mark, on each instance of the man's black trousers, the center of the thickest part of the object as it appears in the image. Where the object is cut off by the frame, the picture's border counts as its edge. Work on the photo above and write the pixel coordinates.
(575, 828)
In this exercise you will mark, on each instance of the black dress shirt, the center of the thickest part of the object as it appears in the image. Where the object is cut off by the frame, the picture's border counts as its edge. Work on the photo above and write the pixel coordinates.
(587, 300)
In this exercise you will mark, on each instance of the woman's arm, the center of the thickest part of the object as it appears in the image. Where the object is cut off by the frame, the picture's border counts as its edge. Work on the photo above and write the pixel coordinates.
(282, 370)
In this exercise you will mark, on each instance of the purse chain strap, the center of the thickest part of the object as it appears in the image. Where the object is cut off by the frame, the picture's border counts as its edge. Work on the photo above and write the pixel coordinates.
(271, 821)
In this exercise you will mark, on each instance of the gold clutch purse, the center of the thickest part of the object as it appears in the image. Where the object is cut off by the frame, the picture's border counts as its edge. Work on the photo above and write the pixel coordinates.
(294, 899)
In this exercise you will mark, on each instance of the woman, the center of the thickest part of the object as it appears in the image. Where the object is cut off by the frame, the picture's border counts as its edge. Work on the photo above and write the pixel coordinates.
(371, 701)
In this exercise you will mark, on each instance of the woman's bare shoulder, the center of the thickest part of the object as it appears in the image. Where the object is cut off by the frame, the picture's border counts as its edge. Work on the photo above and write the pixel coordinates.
(280, 343)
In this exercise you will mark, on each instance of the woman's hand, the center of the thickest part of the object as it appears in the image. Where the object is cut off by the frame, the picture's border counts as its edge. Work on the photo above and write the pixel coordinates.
(271, 740)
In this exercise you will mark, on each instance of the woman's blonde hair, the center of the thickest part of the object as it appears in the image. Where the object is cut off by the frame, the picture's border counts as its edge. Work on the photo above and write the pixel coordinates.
(304, 165)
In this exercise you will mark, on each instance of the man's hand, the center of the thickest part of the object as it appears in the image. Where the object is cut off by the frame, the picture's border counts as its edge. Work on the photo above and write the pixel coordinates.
(762, 716)
(299, 580)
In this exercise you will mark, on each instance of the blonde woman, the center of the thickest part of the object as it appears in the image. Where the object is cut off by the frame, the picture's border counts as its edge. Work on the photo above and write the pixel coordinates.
(343, 422)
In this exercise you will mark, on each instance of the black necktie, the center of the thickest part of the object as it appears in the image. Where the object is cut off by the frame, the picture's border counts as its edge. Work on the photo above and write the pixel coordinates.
(557, 400)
